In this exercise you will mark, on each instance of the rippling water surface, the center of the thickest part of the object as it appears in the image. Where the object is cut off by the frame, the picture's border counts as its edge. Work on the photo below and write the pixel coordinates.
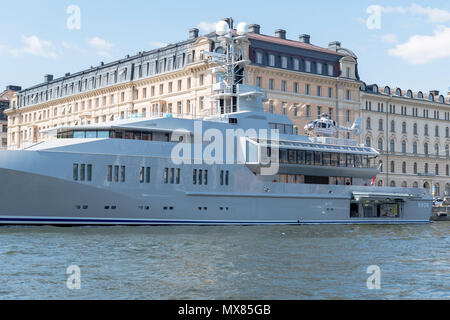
(276, 262)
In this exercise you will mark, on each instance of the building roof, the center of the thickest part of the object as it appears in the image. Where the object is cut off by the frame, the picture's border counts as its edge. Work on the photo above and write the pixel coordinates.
(292, 43)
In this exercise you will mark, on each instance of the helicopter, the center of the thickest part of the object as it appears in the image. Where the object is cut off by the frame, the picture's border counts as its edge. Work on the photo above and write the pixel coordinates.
(325, 126)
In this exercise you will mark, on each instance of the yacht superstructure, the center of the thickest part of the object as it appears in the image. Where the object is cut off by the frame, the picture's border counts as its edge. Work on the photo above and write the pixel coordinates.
(239, 166)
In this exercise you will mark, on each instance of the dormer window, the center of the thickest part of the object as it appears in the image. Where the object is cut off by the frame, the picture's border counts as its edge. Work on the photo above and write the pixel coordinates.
(284, 62)
(308, 66)
(259, 58)
(272, 60)
(330, 70)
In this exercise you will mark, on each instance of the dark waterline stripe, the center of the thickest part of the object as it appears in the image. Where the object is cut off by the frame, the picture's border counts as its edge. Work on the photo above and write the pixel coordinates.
(178, 222)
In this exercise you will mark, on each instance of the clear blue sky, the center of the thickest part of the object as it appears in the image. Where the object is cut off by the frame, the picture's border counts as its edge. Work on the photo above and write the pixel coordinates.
(408, 47)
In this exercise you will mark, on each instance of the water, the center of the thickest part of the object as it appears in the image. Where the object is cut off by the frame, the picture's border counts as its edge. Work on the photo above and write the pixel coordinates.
(269, 262)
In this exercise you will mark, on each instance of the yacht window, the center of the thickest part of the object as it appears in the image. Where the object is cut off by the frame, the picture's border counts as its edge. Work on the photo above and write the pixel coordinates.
(141, 175)
(82, 172)
(335, 160)
(205, 177)
(200, 176)
(147, 175)
(318, 158)
(309, 158)
(89, 172)
(122, 174)
(103, 134)
(227, 177)
(91, 134)
(221, 177)
(79, 134)
(292, 156)
(300, 156)
(327, 159)
(75, 171)
(116, 173)
(109, 176)
(166, 175)
(172, 175)
(194, 176)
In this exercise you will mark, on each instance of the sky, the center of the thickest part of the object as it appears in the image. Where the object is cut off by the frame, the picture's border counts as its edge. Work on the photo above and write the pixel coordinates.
(401, 43)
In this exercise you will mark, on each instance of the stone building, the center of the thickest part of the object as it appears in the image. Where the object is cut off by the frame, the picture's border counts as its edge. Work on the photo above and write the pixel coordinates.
(5, 98)
(411, 130)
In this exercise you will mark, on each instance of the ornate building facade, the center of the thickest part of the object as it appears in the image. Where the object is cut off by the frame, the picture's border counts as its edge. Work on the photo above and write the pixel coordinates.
(302, 80)
(411, 130)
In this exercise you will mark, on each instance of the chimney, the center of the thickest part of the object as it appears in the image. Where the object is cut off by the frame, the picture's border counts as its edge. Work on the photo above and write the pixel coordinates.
(48, 78)
(305, 38)
(193, 33)
(335, 45)
(280, 33)
(254, 28)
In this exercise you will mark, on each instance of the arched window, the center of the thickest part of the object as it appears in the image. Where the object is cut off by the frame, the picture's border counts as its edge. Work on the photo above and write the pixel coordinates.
(436, 169)
(404, 184)
(380, 125)
(425, 148)
(415, 128)
(392, 126)
(392, 166)
(426, 186)
(420, 95)
(403, 127)
(415, 147)
(441, 99)
(404, 146)
(447, 150)
(431, 97)
(415, 185)
(426, 168)
(368, 142)
(380, 165)
(404, 167)
(426, 130)
(447, 132)
(392, 184)
(387, 90)
(436, 131)
(415, 167)
(437, 190)
(410, 94)
(398, 92)
(368, 124)
(392, 145)
(380, 144)
(436, 149)
(380, 183)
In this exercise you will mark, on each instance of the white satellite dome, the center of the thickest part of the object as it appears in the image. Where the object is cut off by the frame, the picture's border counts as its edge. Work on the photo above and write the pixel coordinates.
(242, 29)
(222, 28)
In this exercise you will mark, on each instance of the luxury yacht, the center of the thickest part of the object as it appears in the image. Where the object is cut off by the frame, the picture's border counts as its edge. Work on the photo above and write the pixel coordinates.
(239, 166)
